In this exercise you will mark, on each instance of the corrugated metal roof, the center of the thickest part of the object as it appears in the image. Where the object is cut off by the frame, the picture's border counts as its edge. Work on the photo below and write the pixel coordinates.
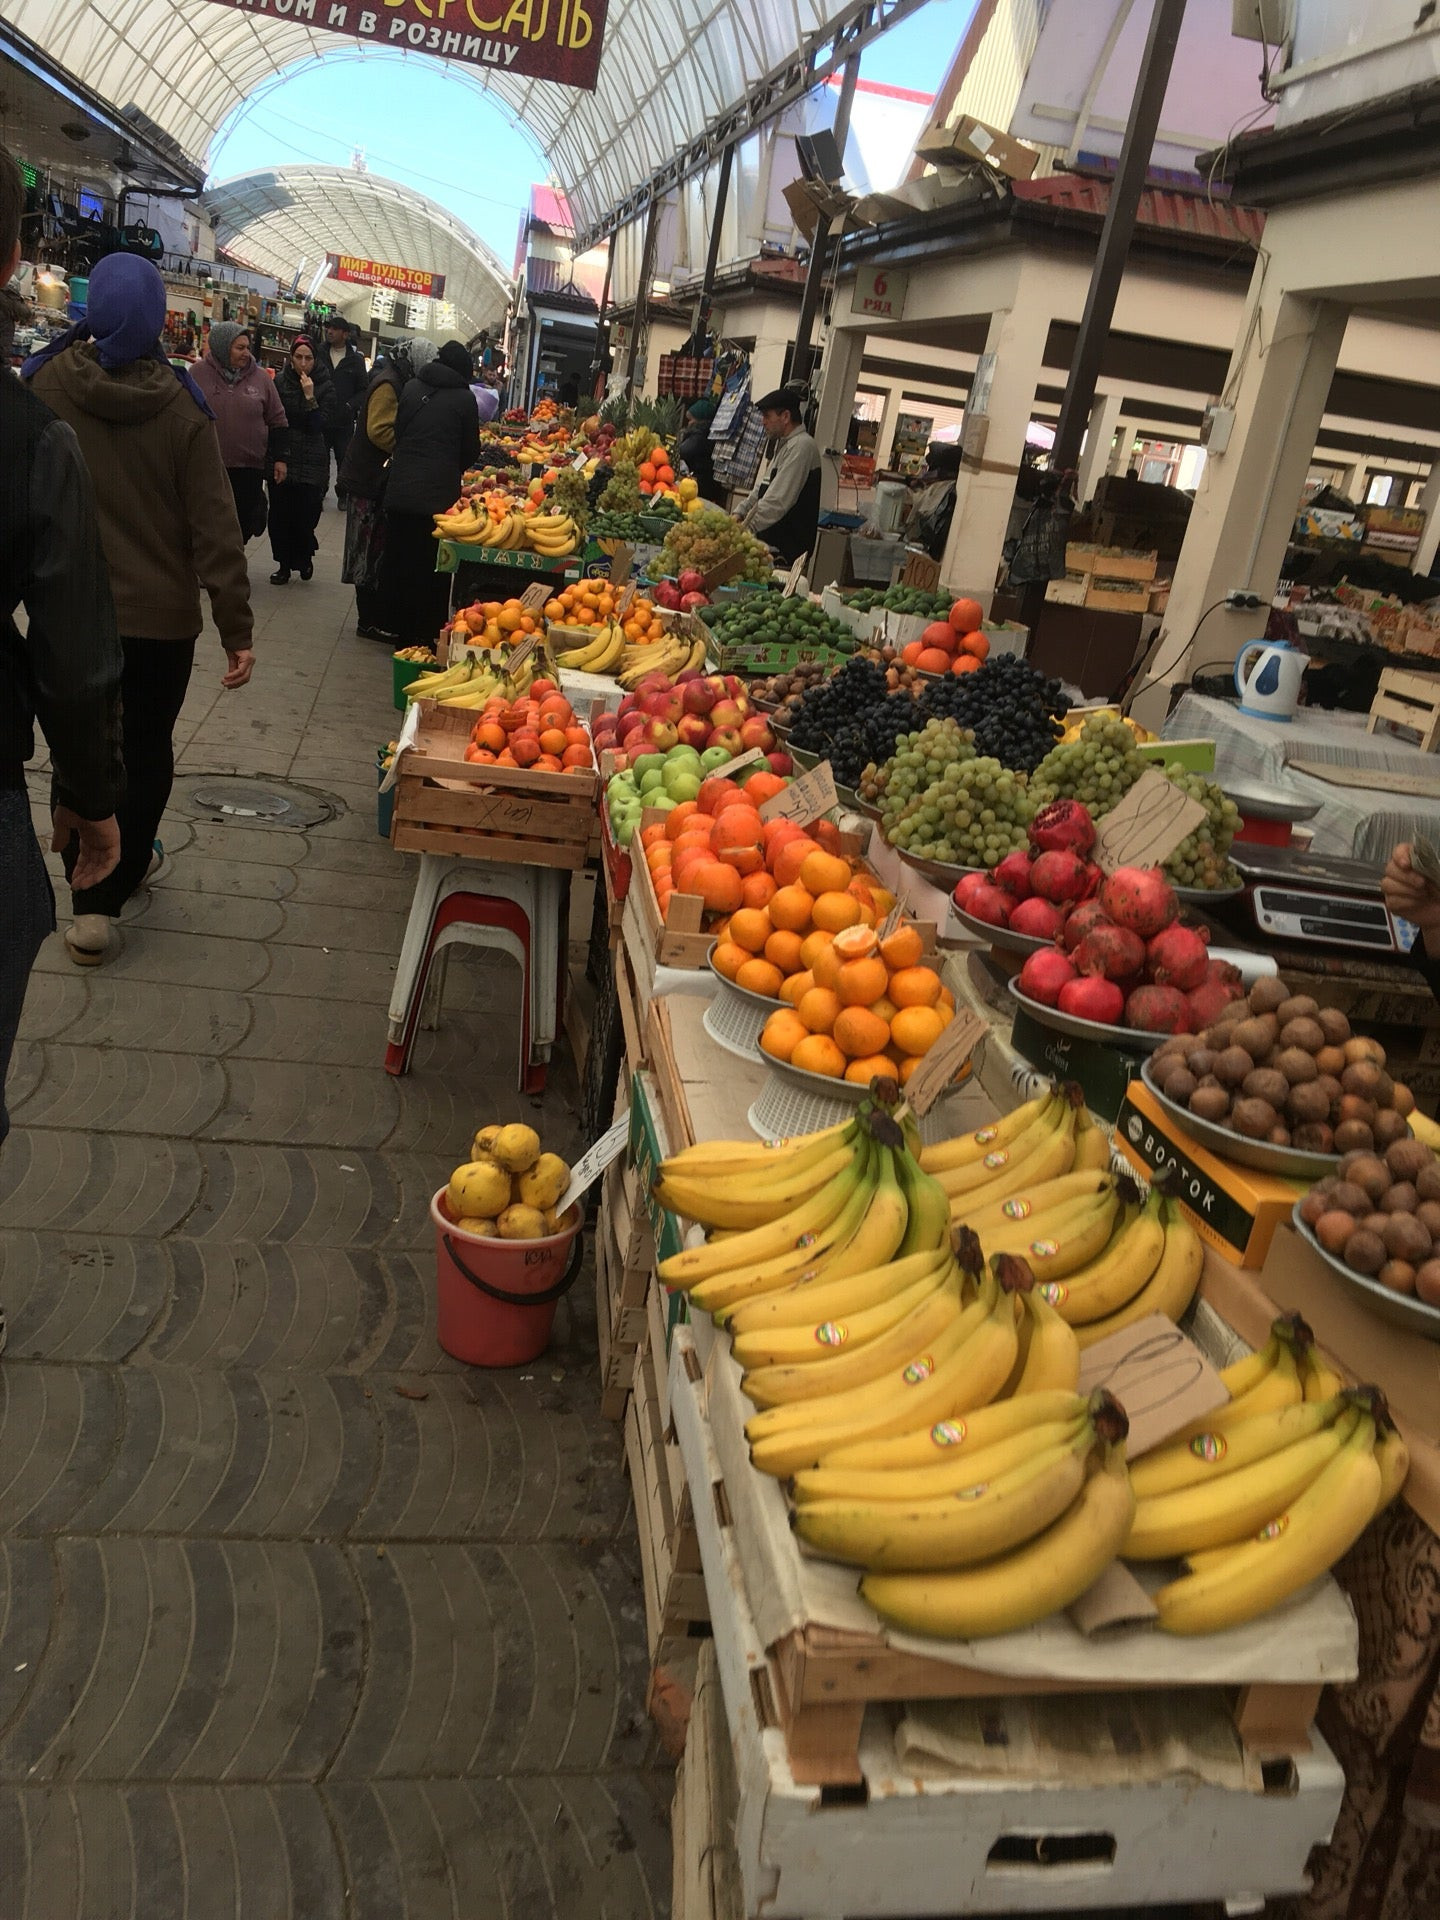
(1160, 208)
(551, 280)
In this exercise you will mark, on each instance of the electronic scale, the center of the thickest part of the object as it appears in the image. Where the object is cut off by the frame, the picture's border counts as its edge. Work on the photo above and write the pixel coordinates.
(1294, 898)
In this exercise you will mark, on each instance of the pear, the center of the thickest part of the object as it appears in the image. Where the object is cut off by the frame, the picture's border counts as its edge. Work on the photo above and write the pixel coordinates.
(486, 1229)
(481, 1147)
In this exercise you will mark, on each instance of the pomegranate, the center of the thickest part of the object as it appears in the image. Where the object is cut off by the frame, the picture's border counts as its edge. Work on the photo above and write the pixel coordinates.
(968, 887)
(1044, 974)
(1013, 873)
(1091, 997)
(1177, 957)
(1210, 999)
(1041, 919)
(990, 904)
(1111, 951)
(1080, 920)
(1140, 898)
(1228, 974)
(1063, 827)
(1058, 876)
(1159, 1010)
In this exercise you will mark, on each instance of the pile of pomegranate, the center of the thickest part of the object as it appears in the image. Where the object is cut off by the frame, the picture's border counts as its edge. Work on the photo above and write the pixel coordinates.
(1119, 954)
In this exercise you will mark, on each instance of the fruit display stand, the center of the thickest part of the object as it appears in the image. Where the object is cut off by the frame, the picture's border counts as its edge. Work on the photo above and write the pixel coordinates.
(1043, 1828)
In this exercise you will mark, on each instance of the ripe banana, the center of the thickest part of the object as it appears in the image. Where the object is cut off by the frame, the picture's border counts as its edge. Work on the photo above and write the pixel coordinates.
(1035, 1206)
(947, 1475)
(803, 1305)
(723, 1155)
(1318, 1378)
(1168, 1526)
(748, 1199)
(1092, 1143)
(1117, 1274)
(1042, 1155)
(787, 1234)
(923, 1446)
(949, 1154)
(1295, 1548)
(1276, 1385)
(1392, 1456)
(1209, 1457)
(799, 1346)
(953, 1529)
(809, 1254)
(1170, 1288)
(1062, 1246)
(1047, 1573)
(1052, 1353)
(837, 1372)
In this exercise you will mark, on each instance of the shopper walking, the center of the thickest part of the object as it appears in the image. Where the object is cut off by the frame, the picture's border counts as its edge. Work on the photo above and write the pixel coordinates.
(348, 374)
(362, 481)
(307, 394)
(168, 527)
(437, 436)
(249, 419)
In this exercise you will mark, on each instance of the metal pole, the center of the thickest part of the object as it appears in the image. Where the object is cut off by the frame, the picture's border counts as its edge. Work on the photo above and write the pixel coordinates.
(602, 323)
(1110, 256)
(642, 295)
(712, 254)
(802, 357)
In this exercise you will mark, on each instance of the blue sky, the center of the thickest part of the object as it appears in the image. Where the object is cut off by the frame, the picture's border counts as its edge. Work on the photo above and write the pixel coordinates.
(416, 126)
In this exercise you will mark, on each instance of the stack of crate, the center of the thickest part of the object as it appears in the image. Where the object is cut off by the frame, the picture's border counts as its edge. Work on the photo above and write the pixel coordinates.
(624, 1274)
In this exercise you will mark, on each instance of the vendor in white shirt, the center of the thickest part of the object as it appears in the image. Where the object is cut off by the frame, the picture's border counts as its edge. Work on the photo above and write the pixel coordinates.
(784, 509)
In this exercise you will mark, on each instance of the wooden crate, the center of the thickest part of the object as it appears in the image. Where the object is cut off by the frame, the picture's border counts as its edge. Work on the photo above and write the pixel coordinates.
(445, 803)
(1410, 700)
(617, 1364)
(1110, 563)
(706, 1882)
(674, 1582)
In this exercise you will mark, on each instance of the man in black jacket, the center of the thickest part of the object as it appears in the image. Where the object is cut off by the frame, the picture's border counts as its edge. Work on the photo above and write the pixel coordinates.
(64, 670)
(349, 374)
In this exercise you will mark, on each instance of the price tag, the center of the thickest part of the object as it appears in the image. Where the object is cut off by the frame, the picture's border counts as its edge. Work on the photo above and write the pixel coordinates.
(804, 799)
(1147, 825)
(792, 579)
(741, 760)
(519, 655)
(579, 463)
(944, 1060)
(891, 921)
(622, 565)
(591, 1165)
(534, 597)
(1157, 1373)
(626, 601)
(722, 571)
(920, 571)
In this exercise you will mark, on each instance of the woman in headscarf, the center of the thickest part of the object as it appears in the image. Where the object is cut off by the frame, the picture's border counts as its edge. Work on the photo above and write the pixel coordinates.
(313, 410)
(694, 451)
(362, 480)
(168, 527)
(437, 436)
(249, 419)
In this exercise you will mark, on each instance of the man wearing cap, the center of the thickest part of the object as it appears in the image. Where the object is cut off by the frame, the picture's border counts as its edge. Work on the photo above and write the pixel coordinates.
(784, 510)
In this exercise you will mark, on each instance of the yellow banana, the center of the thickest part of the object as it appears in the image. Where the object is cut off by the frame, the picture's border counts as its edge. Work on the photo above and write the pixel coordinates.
(750, 1280)
(954, 1529)
(947, 1154)
(777, 1237)
(1015, 1590)
(1042, 1155)
(953, 1435)
(1170, 1288)
(1243, 1374)
(1318, 1378)
(1052, 1254)
(967, 1468)
(1037, 1204)
(877, 1238)
(927, 1207)
(838, 1372)
(1209, 1457)
(1277, 1385)
(747, 1199)
(1425, 1129)
(800, 1307)
(806, 1345)
(1052, 1354)
(1295, 1548)
(1116, 1274)
(762, 1156)
(1092, 1143)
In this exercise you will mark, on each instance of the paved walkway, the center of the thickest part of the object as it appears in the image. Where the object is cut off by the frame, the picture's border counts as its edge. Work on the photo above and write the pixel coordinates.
(299, 1620)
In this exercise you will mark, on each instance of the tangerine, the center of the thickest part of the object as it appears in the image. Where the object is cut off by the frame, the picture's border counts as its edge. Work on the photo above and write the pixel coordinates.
(914, 987)
(782, 1033)
(861, 983)
(760, 976)
(790, 908)
(915, 1030)
(794, 989)
(833, 912)
(750, 928)
(818, 1053)
(862, 1072)
(859, 1033)
(814, 943)
(855, 943)
(825, 872)
(782, 949)
(901, 949)
(819, 1009)
(825, 964)
(786, 862)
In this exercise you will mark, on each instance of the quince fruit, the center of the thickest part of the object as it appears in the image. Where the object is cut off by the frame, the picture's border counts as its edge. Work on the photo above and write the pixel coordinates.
(478, 1190)
(542, 1185)
(516, 1147)
(521, 1223)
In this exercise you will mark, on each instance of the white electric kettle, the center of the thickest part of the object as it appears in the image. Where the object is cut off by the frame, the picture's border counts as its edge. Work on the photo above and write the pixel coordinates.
(1267, 679)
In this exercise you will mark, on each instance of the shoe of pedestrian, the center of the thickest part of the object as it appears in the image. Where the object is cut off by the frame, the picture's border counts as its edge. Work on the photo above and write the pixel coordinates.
(307, 571)
(378, 633)
(280, 577)
(157, 863)
(87, 938)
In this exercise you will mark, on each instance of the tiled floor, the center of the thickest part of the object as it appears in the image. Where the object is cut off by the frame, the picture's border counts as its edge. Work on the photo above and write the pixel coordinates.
(299, 1619)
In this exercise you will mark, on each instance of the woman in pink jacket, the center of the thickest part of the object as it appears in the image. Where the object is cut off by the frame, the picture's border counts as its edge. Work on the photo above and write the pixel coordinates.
(249, 419)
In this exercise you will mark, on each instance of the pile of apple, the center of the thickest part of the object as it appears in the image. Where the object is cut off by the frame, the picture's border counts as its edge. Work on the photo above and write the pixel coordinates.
(682, 594)
(710, 712)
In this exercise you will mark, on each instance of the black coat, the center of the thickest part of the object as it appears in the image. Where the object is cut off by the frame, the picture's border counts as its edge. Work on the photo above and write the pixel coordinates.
(362, 471)
(307, 450)
(349, 377)
(697, 456)
(437, 436)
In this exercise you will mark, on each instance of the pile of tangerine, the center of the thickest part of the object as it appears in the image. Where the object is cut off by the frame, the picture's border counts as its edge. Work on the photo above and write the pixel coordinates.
(539, 731)
(589, 603)
(730, 857)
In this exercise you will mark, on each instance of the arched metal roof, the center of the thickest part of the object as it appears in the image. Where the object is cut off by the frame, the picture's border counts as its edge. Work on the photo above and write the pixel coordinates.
(668, 67)
(276, 219)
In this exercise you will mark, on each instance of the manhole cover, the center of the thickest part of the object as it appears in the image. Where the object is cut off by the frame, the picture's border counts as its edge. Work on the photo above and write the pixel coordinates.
(261, 803)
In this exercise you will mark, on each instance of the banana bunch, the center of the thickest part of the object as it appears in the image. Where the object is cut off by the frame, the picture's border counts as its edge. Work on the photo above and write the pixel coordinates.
(637, 445)
(672, 655)
(467, 681)
(553, 534)
(600, 655)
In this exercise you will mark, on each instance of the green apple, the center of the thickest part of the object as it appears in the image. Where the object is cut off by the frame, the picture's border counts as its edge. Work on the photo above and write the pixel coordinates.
(659, 800)
(714, 757)
(646, 763)
(652, 783)
(684, 783)
(683, 752)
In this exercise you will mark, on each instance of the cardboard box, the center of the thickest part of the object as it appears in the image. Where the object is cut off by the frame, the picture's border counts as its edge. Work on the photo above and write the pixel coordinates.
(1116, 596)
(812, 202)
(970, 140)
(1236, 1209)
(1104, 1072)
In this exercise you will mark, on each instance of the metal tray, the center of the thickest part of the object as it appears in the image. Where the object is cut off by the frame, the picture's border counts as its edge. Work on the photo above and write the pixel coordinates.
(1289, 1162)
(849, 1091)
(1131, 1038)
(1398, 1308)
(1203, 896)
(1000, 937)
(937, 870)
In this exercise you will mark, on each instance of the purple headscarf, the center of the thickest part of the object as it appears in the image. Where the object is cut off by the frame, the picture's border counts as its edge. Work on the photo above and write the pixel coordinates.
(124, 317)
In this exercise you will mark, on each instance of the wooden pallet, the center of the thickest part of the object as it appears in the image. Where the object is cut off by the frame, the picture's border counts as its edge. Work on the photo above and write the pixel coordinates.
(1410, 700)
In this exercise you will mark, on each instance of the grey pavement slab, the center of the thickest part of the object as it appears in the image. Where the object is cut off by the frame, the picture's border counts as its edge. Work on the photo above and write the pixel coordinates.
(301, 1619)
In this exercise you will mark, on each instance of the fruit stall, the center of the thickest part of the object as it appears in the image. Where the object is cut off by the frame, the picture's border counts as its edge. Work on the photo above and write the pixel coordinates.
(1016, 1270)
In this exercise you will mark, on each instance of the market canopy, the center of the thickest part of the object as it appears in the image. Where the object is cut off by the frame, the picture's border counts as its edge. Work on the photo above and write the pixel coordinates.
(667, 68)
(285, 221)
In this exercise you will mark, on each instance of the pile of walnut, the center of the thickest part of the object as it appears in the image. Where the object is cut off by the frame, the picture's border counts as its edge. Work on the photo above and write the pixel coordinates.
(1381, 1216)
(1280, 1068)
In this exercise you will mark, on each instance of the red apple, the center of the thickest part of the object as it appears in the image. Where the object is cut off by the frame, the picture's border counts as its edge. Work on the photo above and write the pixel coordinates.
(727, 737)
(727, 713)
(780, 763)
(661, 734)
(735, 685)
(632, 724)
(693, 730)
(627, 703)
(755, 732)
(690, 673)
(700, 696)
(664, 703)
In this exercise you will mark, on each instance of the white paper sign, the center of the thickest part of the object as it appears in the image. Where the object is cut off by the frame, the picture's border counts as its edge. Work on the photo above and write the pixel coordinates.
(592, 1164)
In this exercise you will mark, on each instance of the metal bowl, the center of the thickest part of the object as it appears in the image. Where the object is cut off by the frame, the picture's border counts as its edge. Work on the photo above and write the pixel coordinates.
(937, 870)
(1289, 1162)
(1202, 896)
(1398, 1308)
(1000, 937)
(818, 1083)
(1130, 1038)
(765, 1000)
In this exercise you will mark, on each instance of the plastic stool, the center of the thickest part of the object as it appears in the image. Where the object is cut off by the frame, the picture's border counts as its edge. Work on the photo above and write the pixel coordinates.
(479, 920)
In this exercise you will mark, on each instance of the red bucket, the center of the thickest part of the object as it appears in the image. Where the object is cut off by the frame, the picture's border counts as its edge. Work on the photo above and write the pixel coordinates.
(495, 1299)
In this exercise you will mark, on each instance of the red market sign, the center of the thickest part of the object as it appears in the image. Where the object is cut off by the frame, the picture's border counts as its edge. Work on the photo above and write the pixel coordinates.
(555, 40)
(378, 273)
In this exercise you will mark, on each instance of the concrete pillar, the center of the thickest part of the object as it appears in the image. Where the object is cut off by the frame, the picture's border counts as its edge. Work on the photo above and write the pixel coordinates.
(1120, 452)
(1246, 503)
(1429, 502)
(835, 404)
(767, 364)
(986, 488)
(1098, 450)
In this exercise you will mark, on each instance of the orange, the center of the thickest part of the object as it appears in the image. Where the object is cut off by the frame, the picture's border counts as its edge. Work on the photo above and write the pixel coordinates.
(782, 950)
(946, 1000)
(782, 1033)
(794, 989)
(855, 943)
(819, 1009)
(902, 948)
(759, 976)
(750, 928)
(832, 912)
(759, 889)
(916, 1029)
(812, 944)
(825, 872)
(790, 909)
(885, 1007)
(786, 863)
(717, 885)
(825, 964)
(914, 987)
(860, 1033)
(862, 1072)
(861, 984)
(818, 1053)
(674, 822)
